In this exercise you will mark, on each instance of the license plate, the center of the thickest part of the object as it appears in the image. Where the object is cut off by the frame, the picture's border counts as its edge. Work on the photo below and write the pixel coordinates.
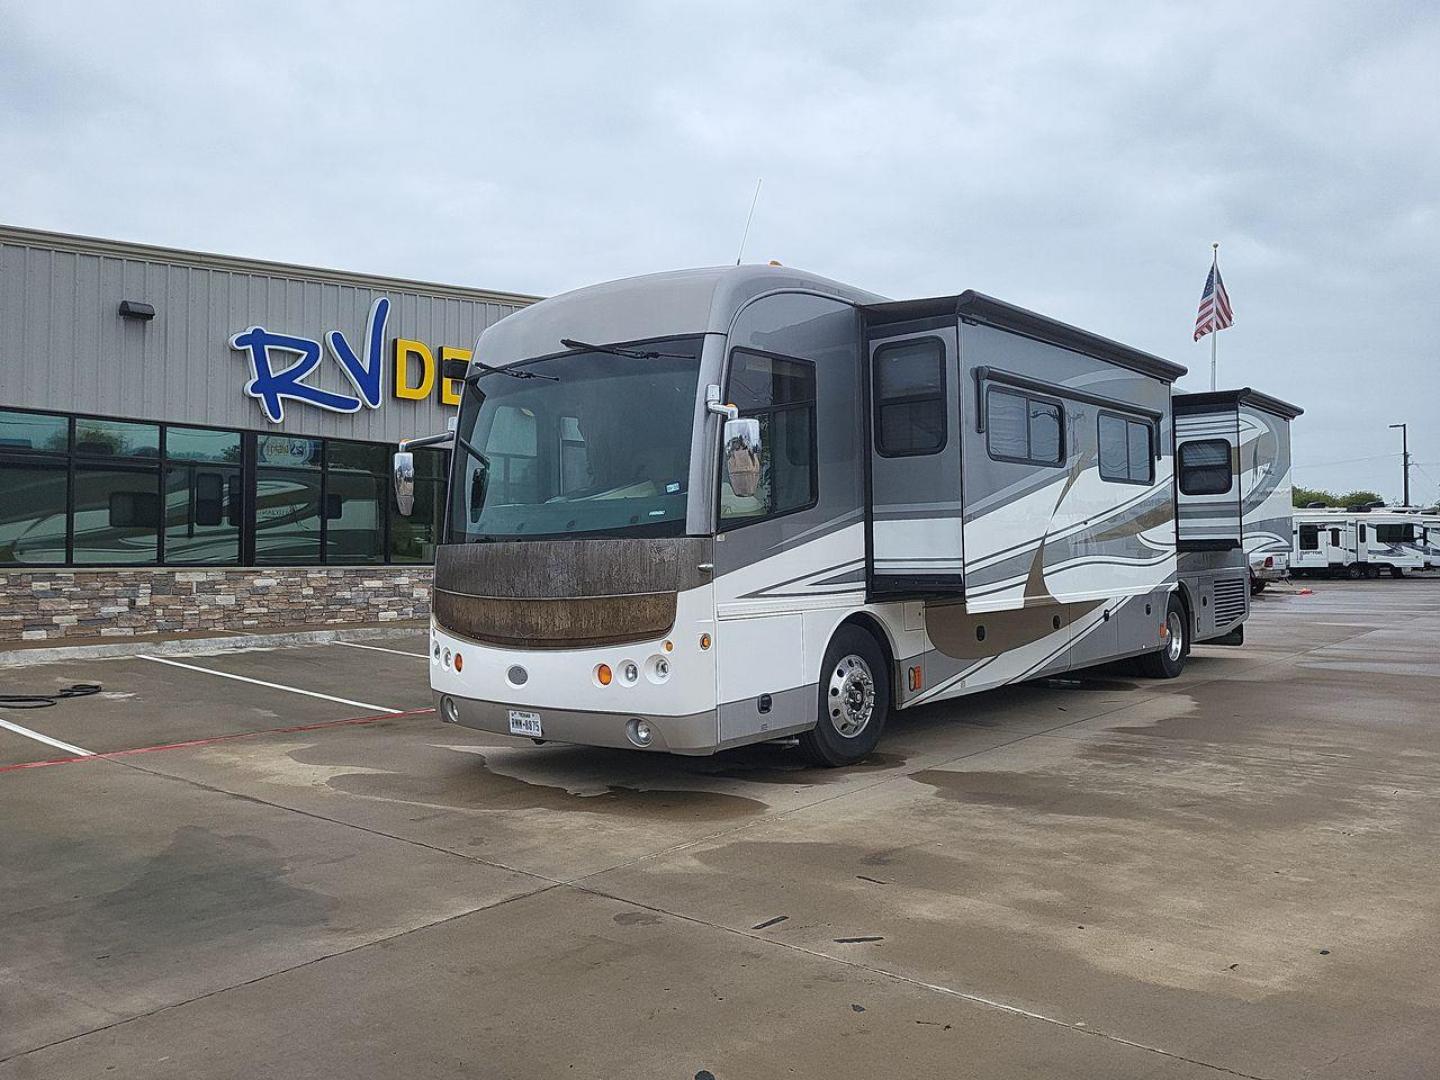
(525, 723)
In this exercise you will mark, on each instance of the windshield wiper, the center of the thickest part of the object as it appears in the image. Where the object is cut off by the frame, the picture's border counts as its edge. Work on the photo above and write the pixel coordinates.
(615, 350)
(508, 369)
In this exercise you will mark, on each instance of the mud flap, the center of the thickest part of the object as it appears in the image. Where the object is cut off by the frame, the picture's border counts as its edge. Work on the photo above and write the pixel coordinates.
(1234, 637)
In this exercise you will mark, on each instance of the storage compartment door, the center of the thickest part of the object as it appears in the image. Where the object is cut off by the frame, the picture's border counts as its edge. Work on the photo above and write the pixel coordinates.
(1207, 480)
(914, 477)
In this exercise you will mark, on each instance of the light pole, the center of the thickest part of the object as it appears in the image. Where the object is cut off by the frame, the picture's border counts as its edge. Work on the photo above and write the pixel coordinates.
(1405, 456)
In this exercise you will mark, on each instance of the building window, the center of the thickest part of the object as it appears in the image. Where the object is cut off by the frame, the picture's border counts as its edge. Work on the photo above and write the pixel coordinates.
(1126, 449)
(1024, 429)
(1309, 537)
(780, 394)
(204, 507)
(1205, 467)
(909, 390)
(91, 491)
(356, 492)
(34, 495)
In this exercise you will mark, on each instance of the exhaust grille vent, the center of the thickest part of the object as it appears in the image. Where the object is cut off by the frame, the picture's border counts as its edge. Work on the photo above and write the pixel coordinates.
(1230, 598)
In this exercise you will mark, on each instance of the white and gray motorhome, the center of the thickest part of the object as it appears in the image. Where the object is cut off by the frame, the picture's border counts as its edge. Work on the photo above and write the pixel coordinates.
(700, 509)
(1332, 542)
(1234, 485)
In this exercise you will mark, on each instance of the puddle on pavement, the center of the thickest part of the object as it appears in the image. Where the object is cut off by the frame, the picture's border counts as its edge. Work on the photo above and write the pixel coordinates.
(1036, 792)
(464, 779)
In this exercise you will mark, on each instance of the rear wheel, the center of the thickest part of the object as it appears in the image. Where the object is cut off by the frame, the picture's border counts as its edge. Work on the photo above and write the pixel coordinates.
(1372, 572)
(1355, 571)
(1170, 660)
(1397, 571)
(854, 700)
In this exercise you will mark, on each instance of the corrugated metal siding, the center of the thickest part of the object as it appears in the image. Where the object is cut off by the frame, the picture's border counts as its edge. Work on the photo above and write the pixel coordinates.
(64, 347)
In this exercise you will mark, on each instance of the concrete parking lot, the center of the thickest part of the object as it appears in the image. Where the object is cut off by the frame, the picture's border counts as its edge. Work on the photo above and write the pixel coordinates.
(278, 863)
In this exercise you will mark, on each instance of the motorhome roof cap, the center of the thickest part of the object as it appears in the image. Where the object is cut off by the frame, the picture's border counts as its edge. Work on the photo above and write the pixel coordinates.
(1245, 394)
(976, 307)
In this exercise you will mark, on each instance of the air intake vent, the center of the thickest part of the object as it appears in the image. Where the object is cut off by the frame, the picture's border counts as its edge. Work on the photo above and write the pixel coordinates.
(1230, 597)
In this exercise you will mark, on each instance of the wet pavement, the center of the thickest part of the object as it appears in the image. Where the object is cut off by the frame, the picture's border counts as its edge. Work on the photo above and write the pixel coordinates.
(1227, 874)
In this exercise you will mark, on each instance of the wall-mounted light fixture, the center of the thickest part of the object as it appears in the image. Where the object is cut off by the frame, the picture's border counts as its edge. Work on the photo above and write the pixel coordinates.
(135, 309)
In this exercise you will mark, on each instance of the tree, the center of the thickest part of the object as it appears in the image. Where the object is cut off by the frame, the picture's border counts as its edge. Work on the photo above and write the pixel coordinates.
(1360, 498)
(1303, 496)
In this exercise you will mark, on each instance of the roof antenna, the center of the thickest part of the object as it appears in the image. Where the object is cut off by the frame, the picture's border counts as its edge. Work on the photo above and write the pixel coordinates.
(750, 217)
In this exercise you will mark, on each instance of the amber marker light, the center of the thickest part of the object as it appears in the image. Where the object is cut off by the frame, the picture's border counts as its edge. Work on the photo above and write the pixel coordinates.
(459, 662)
(669, 646)
(704, 641)
(603, 674)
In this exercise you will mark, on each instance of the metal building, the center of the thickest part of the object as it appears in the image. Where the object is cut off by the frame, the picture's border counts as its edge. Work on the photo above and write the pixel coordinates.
(166, 412)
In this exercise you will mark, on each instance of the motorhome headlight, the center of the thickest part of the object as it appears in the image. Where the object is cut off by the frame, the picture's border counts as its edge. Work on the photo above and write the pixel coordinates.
(657, 669)
(629, 672)
(446, 660)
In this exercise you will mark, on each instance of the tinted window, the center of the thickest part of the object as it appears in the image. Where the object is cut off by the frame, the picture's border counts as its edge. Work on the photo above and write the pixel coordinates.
(1205, 467)
(910, 398)
(1125, 450)
(202, 514)
(287, 450)
(1395, 534)
(117, 515)
(33, 431)
(287, 516)
(1309, 537)
(32, 512)
(1023, 428)
(198, 444)
(116, 438)
(780, 394)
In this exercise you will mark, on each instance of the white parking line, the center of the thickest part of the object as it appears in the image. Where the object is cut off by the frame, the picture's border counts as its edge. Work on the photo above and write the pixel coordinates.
(46, 739)
(377, 648)
(271, 685)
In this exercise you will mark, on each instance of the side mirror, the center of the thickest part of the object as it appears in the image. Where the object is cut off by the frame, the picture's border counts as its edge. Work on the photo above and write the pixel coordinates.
(479, 486)
(741, 447)
(404, 471)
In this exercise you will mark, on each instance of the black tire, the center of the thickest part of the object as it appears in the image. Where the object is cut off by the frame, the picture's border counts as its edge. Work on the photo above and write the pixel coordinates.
(1355, 571)
(1372, 572)
(853, 662)
(1169, 661)
(1257, 587)
(1397, 571)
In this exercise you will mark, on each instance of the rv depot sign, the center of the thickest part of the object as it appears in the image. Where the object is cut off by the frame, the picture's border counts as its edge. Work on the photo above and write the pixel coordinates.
(280, 364)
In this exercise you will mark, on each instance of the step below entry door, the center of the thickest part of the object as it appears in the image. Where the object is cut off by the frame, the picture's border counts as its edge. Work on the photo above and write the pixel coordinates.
(915, 542)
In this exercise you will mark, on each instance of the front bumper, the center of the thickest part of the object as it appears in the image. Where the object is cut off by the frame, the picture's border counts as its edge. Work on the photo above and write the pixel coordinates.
(696, 734)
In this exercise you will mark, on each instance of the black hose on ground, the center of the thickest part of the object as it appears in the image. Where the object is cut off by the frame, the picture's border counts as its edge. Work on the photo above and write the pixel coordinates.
(44, 701)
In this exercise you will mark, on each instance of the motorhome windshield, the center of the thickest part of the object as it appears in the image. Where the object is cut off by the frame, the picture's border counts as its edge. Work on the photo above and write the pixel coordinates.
(598, 444)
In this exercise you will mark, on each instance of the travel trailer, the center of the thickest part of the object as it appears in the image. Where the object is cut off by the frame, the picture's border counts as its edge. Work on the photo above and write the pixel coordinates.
(1331, 542)
(1251, 432)
(700, 509)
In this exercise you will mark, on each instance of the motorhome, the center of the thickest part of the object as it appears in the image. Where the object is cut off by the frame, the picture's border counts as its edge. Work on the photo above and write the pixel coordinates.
(1250, 432)
(1333, 542)
(700, 509)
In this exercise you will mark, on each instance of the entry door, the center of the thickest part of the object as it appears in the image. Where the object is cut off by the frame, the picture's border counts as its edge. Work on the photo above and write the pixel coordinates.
(915, 508)
(1207, 467)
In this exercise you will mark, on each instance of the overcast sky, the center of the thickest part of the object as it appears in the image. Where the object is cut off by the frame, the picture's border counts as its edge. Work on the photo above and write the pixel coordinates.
(1077, 159)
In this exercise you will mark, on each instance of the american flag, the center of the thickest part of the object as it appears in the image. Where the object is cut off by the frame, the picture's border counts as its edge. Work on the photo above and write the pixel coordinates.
(1215, 311)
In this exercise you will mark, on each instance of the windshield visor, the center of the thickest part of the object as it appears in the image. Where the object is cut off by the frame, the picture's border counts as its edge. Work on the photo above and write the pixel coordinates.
(592, 445)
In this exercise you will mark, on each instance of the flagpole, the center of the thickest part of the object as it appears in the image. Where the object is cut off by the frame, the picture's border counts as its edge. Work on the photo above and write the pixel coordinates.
(1215, 333)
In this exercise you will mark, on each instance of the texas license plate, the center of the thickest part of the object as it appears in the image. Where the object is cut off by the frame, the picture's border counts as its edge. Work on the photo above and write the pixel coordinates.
(525, 723)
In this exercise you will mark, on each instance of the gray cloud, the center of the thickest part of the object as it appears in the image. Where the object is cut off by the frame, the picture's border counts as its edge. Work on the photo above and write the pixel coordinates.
(1073, 158)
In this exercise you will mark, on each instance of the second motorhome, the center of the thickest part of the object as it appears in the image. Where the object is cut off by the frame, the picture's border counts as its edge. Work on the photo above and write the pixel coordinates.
(1331, 542)
(707, 508)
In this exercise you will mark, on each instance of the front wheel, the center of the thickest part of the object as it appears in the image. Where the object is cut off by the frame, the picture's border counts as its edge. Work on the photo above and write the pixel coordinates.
(1170, 660)
(1257, 587)
(854, 700)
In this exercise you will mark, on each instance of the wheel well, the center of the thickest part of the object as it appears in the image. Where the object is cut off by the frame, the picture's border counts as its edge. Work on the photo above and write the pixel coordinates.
(1189, 607)
(872, 626)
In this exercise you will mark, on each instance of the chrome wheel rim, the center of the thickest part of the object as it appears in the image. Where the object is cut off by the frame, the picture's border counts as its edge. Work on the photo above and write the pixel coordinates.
(850, 697)
(1176, 645)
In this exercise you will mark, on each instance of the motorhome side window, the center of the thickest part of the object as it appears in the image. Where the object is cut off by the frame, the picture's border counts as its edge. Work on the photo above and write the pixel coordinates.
(1126, 449)
(910, 398)
(1205, 467)
(1309, 537)
(1022, 428)
(780, 393)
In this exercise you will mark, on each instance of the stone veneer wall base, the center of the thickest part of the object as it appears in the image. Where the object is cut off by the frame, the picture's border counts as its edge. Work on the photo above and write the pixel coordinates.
(46, 605)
